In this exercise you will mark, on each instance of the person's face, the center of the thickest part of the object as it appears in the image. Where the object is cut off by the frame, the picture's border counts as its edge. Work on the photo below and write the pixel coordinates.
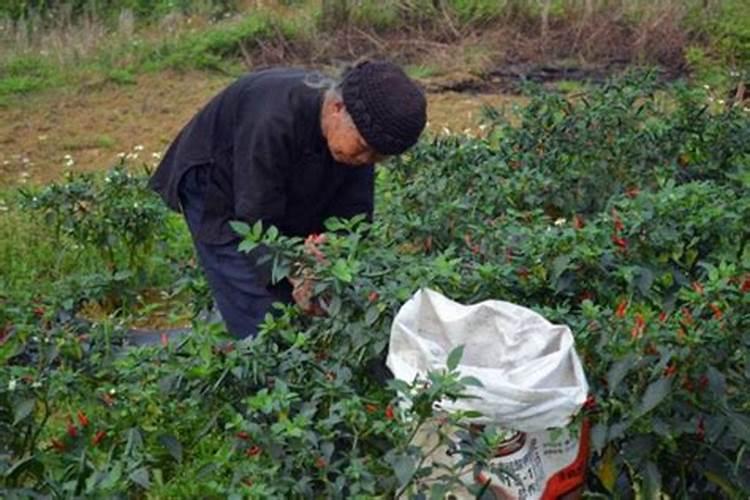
(344, 140)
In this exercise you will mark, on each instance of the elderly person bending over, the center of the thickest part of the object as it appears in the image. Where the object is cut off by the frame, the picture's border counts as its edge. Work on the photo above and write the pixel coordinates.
(273, 147)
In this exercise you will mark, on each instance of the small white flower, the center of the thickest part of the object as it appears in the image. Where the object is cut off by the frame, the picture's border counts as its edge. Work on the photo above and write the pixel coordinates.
(711, 99)
(36, 384)
(446, 131)
(67, 157)
(42, 137)
(35, 199)
(112, 392)
(156, 156)
(707, 87)
(721, 101)
(25, 160)
(25, 174)
(560, 222)
(135, 205)
(12, 384)
(35, 339)
(69, 163)
(121, 155)
(6, 162)
(139, 147)
(746, 110)
(3, 208)
(734, 73)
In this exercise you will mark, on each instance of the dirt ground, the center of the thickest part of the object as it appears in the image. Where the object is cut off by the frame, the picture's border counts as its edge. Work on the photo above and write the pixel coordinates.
(87, 129)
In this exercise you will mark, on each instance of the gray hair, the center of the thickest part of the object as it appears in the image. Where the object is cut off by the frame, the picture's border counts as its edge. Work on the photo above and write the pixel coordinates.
(331, 87)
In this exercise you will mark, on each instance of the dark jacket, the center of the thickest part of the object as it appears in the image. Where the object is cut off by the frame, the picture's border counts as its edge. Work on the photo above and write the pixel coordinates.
(267, 160)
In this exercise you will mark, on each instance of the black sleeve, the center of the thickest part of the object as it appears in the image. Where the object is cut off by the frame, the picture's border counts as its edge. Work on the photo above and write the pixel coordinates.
(356, 194)
(262, 154)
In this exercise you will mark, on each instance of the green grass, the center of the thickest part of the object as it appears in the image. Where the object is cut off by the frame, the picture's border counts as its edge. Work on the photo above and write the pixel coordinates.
(24, 74)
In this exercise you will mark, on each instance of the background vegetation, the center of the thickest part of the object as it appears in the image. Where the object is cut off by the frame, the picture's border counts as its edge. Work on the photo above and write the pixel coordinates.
(50, 43)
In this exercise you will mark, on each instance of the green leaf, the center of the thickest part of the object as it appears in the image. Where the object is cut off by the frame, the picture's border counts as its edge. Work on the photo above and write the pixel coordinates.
(23, 410)
(247, 246)
(239, 227)
(471, 381)
(371, 315)
(619, 370)
(645, 280)
(740, 425)
(257, 230)
(404, 466)
(655, 394)
(472, 414)
(399, 386)
(341, 271)
(140, 477)
(438, 491)
(598, 437)
(651, 481)
(559, 265)
(272, 233)
(454, 358)
(172, 445)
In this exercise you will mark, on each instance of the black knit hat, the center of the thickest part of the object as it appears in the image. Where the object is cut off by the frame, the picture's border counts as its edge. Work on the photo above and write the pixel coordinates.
(387, 107)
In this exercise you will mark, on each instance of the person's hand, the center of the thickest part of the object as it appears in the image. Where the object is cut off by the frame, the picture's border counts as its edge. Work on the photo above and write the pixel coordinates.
(302, 293)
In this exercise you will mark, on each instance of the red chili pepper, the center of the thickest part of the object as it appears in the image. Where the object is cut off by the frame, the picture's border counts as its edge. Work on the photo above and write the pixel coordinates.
(58, 445)
(39, 311)
(373, 297)
(698, 287)
(617, 222)
(72, 430)
(371, 408)
(253, 451)
(700, 431)
(670, 370)
(745, 287)
(320, 463)
(590, 404)
(243, 435)
(427, 244)
(247, 482)
(717, 311)
(98, 437)
(620, 242)
(389, 413)
(663, 316)
(638, 327)
(164, 340)
(687, 384)
(632, 192)
(522, 272)
(578, 222)
(508, 255)
(687, 316)
(622, 308)
(82, 418)
(703, 381)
